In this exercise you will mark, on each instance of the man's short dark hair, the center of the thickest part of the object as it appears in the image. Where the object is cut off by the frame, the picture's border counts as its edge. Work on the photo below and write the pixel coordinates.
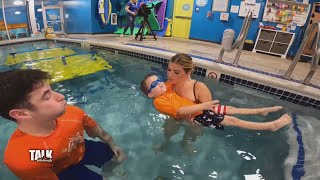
(143, 85)
(15, 86)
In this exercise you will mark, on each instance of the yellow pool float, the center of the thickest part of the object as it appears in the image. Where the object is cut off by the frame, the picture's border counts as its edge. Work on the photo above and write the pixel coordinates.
(69, 67)
(38, 55)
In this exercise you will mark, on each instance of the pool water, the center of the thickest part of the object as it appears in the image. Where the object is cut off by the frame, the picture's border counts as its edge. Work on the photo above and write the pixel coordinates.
(114, 99)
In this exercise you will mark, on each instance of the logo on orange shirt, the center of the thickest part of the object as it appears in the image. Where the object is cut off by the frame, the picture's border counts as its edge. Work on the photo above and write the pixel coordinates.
(41, 155)
(73, 142)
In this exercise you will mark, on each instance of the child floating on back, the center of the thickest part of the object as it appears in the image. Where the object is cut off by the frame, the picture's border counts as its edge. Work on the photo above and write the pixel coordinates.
(209, 114)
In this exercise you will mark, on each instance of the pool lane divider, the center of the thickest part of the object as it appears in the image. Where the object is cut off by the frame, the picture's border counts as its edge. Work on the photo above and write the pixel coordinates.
(46, 59)
(37, 49)
(298, 169)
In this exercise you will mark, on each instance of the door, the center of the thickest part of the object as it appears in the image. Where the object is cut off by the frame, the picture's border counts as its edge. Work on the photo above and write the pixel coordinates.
(53, 17)
(182, 15)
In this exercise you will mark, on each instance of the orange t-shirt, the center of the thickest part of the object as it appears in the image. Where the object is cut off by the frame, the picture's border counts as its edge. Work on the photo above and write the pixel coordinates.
(169, 103)
(30, 157)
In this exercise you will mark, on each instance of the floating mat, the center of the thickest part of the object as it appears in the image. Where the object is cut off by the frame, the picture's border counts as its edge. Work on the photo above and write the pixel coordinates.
(38, 55)
(74, 66)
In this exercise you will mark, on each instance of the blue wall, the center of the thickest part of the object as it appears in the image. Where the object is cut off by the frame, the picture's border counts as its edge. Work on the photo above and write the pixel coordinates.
(97, 26)
(15, 18)
(38, 16)
(169, 10)
(79, 20)
(20, 18)
(84, 17)
(203, 28)
(214, 28)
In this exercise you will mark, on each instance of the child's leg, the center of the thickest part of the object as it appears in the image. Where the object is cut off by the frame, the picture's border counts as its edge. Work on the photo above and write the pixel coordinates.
(233, 110)
(270, 126)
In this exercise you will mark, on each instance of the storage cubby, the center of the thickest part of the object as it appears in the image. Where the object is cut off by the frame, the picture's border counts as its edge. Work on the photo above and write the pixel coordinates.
(273, 42)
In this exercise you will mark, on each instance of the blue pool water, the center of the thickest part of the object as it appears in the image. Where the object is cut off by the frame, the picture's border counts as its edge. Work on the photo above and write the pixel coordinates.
(114, 99)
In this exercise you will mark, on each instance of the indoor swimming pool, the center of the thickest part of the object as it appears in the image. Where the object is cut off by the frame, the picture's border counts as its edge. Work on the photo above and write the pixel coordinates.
(113, 98)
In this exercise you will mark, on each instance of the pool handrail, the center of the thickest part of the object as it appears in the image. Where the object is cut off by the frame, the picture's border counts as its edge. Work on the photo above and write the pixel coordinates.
(239, 42)
(315, 56)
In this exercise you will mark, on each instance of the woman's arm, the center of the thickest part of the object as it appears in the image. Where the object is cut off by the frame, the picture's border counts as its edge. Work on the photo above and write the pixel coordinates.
(185, 110)
(203, 93)
(128, 11)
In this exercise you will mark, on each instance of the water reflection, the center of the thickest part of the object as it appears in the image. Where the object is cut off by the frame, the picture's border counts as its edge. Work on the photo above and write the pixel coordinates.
(246, 155)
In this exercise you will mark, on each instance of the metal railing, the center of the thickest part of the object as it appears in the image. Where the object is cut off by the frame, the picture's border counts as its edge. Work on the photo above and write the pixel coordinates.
(240, 40)
(5, 21)
(315, 56)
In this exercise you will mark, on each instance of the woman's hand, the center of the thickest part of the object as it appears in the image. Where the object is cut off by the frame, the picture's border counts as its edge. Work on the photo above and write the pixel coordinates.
(118, 153)
(204, 106)
(133, 13)
(210, 105)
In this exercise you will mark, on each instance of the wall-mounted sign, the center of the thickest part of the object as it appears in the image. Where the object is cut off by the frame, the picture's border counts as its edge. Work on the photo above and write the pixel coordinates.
(224, 16)
(201, 3)
(220, 5)
(114, 19)
(286, 13)
(186, 7)
(197, 9)
(246, 7)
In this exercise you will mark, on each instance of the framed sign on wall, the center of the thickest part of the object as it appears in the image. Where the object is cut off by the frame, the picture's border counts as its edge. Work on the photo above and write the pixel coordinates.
(286, 12)
(114, 19)
(245, 7)
(220, 5)
(201, 3)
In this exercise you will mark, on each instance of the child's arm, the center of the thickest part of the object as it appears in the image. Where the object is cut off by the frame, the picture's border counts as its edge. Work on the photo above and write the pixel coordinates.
(198, 107)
